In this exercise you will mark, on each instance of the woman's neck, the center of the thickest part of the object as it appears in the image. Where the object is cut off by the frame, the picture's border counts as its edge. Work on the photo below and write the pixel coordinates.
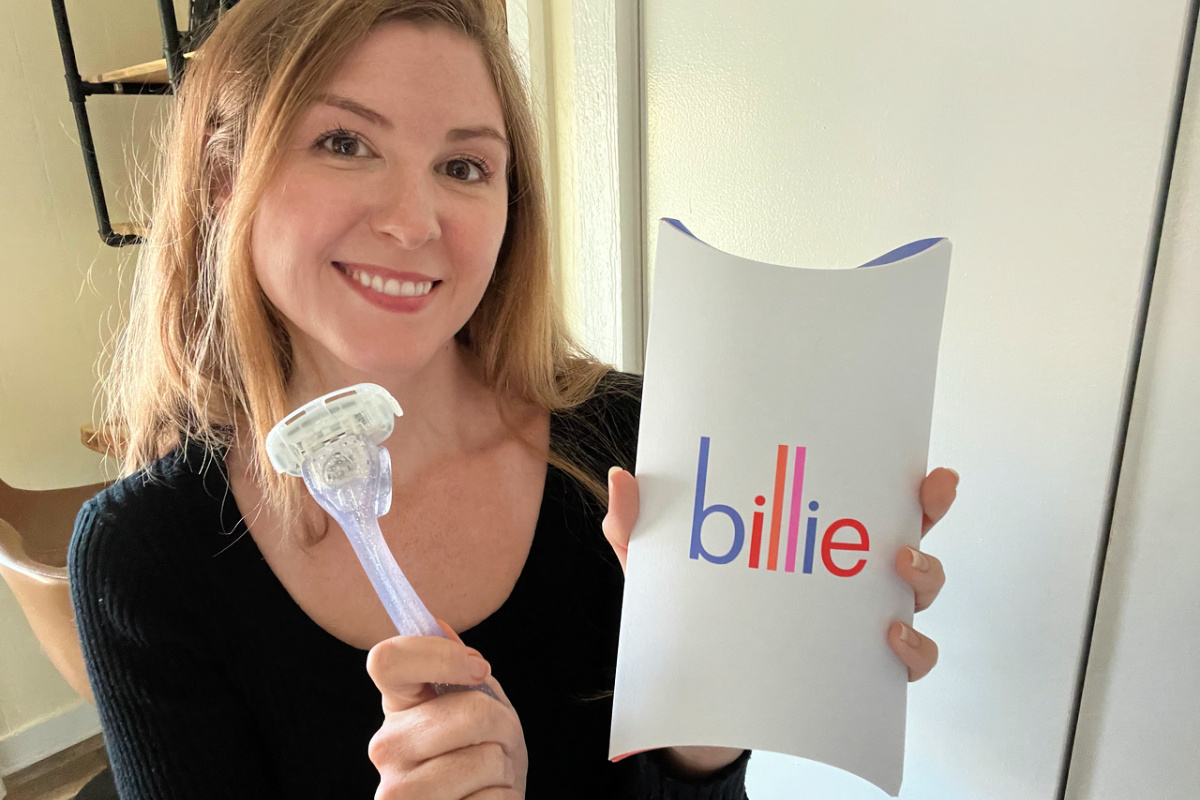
(448, 408)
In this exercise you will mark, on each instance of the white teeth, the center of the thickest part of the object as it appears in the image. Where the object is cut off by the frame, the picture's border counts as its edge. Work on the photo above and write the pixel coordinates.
(391, 287)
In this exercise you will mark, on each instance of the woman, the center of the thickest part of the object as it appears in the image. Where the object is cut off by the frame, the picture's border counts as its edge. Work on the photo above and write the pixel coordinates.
(350, 192)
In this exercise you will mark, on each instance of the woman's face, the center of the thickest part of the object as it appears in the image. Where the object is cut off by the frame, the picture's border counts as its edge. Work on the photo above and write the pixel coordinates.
(378, 236)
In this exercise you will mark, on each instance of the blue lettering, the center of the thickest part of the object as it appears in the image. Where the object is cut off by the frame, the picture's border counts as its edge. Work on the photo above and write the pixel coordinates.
(701, 513)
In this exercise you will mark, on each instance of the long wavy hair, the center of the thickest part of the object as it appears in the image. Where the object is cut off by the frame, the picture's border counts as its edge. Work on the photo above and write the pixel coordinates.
(204, 350)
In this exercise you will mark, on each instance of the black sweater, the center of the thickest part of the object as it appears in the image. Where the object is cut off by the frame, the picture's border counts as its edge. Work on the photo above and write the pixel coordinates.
(211, 682)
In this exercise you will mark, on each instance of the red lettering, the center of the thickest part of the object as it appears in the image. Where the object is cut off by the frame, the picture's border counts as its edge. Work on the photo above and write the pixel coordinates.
(828, 545)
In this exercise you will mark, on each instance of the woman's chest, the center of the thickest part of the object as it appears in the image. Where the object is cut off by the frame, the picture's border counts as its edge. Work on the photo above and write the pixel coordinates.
(461, 537)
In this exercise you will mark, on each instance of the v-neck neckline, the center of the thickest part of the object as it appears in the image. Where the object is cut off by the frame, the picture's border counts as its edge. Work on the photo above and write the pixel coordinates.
(233, 524)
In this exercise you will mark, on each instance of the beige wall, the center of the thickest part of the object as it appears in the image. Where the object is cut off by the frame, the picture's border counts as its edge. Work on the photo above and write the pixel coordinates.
(58, 281)
(59, 284)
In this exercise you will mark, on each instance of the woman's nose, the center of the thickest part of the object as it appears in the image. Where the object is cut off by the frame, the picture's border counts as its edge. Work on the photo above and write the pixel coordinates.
(407, 211)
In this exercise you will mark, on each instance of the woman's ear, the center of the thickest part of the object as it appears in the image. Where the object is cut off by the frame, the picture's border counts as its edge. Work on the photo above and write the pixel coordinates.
(220, 200)
(219, 181)
(221, 191)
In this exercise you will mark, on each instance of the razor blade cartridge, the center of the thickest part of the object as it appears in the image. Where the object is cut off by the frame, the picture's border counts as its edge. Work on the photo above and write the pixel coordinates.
(365, 409)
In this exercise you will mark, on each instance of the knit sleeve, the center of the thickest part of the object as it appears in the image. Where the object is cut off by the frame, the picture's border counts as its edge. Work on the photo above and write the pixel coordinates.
(656, 781)
(173, 724)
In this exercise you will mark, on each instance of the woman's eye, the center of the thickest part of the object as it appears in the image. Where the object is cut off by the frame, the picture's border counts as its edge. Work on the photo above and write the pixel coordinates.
(462, 169)
(341, 143)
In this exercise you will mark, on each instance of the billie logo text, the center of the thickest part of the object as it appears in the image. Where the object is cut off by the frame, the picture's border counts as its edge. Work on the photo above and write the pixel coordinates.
(860, 541)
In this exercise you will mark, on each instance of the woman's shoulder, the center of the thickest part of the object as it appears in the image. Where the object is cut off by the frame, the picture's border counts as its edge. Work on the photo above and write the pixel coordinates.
(616, 395)
(618, 387)
(614, 404)
(602, 431)
(169, 486)
(137, 574)
(145, 511)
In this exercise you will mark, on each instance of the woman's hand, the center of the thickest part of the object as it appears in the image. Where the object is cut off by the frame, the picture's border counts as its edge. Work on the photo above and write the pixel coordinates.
(920, 571)
(449, 747)
(924, 574)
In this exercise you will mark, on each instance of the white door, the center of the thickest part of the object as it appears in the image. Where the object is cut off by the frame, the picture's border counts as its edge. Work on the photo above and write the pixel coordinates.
(1139, 724)
(1033, 134)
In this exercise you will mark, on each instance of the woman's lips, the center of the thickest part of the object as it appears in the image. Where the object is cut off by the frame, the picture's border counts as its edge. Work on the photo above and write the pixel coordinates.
(406, 295)
(383, 272)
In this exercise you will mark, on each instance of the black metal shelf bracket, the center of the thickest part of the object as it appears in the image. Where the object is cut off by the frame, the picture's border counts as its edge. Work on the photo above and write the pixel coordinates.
(172, 52)
(78, 90)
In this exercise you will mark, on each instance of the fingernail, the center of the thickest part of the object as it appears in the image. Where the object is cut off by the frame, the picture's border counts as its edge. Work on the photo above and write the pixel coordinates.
(611, 470)
(956, 478)
(908, 636)
(479, 668)
(920, 562)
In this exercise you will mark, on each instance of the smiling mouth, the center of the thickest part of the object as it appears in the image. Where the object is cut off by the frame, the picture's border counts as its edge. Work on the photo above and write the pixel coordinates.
(390, 286)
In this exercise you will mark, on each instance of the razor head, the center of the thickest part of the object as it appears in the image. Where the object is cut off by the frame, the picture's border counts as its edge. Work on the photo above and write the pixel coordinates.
(365, 409)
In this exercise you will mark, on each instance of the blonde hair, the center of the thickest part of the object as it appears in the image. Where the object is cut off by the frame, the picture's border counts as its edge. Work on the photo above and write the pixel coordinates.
(204, 350)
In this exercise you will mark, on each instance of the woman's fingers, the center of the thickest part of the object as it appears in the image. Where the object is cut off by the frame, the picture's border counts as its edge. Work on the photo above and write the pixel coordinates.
(449, 723)
(917, 652)
(456, 745)
(622, 511)
(937, 495)
(476, 771)
(402, 667)
(450, 747)
(923, 573)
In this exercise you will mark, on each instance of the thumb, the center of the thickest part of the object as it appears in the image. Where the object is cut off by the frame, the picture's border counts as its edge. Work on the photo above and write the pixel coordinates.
(622, 511)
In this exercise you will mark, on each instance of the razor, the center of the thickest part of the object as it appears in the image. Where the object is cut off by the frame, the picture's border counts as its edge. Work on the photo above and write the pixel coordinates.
(335, 443)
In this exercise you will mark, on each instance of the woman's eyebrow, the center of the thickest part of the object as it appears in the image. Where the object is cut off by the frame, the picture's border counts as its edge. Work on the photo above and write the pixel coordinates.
(477, 132)
(355, 107)
(371, 115)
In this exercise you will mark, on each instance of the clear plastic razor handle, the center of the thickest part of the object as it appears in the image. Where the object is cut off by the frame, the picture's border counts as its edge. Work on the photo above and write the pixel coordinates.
(351, 478)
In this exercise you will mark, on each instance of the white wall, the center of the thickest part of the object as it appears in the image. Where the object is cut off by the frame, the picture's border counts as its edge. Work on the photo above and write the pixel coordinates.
(1139, 725)
(1032, 134)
